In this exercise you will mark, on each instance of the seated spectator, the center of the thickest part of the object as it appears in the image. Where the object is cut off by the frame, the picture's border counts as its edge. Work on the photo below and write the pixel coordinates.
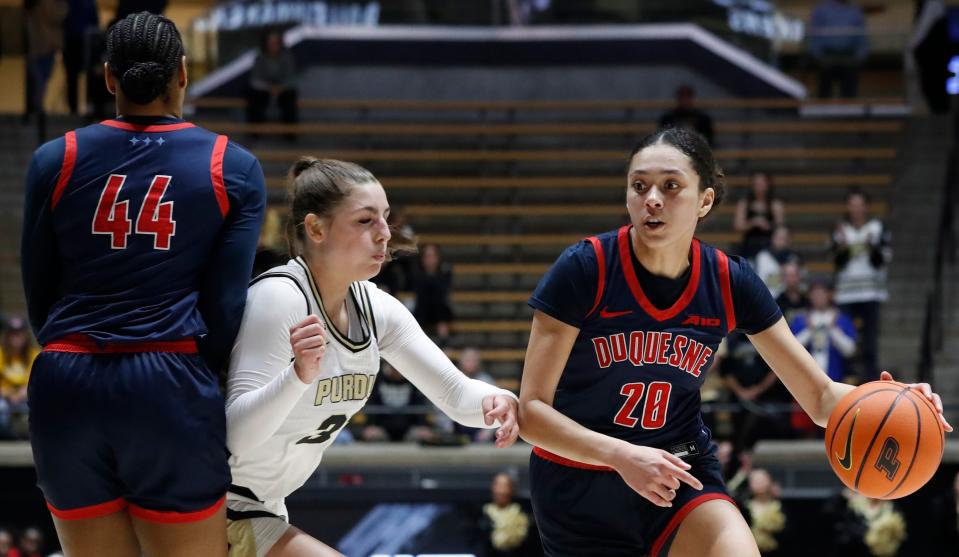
(769, 261)
(946, 515)
(505, 526)
(764, 512)
(827, 333)
(273, 77)
(394, 394)
(686, 115)
(471, 364)
(862, 249)
(864, 527)
(758, 389)
(6, 543)
(793, 298)
(757, 214)
(17, 353)
(432, 282)
(837, 40)
(30, 543)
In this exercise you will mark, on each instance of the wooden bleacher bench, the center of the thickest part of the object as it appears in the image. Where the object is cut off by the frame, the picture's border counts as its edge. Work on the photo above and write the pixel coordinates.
(533, 209)
(563, 155)
(544, 129)
(818, 267)
(532, 105)
(500, 326)
(617, 181)
(715, 238)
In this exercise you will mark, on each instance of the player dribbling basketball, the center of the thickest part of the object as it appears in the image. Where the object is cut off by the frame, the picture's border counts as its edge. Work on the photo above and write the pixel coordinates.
(625, 326)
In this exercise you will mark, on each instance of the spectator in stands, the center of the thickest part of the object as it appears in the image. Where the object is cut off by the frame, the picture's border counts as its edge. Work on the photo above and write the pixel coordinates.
(686, 115)
(432, 282)
(769, 261)
(862, 248)
(758, 213)
(757, 388)
(827, 333)
(945, 512)
(864, 527)
(6, 543)
(17, 353)
(82, 17)
(764, 512)
(471, 364)
(394, 394)
(127, 7)
(793, 298)
(30, 543)
(273, 77)
(44, 39)
(507, 528)
(839, 43)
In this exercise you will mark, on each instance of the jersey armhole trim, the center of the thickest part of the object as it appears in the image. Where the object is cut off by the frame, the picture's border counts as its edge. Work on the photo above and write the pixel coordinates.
(723, 263)
(66, 169)
(216, 174)
(292, 278)
(601, 276)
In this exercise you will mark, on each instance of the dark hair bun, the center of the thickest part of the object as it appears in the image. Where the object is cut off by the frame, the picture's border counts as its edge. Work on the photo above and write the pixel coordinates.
(143, 82)
(303, 163)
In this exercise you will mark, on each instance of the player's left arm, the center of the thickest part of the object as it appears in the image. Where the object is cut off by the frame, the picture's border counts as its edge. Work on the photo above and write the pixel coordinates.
(39, 260)
(224, 284)
(470, 402)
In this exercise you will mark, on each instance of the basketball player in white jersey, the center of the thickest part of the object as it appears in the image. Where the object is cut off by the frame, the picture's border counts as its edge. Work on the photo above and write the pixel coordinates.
(309, 349)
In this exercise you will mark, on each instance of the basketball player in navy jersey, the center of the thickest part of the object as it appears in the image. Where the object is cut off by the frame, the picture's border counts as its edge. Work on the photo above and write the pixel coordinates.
(138, 243)
(625, 326)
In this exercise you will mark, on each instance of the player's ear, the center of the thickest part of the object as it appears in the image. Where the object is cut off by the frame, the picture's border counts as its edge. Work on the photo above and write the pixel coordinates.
(181, 74)
(108, 77)
(706, 199)
(315, 227)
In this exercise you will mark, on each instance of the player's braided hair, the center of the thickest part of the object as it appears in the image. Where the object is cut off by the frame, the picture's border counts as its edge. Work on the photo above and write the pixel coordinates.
(694, 146)
(319, 186)
(144, 52)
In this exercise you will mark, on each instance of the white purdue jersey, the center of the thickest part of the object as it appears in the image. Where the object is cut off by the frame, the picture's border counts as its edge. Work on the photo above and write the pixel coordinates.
(278, 426)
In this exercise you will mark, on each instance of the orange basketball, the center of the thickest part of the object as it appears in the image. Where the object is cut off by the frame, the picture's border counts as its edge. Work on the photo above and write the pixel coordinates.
(884, 440)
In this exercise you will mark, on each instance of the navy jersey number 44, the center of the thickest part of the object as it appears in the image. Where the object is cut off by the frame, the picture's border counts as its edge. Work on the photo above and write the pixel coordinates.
(635, 370)
(123, 218)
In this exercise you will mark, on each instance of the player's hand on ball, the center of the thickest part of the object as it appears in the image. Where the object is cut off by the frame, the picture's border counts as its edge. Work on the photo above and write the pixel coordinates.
(653, 473)
(926, 391)
(502, 409)
(308, 339)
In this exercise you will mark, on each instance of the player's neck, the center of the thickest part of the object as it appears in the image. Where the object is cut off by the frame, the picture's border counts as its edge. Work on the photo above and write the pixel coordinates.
(664, 262)
(157, 108)
(333, 289)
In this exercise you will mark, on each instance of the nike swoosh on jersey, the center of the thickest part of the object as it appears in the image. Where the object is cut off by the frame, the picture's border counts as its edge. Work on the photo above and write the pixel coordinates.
(845, 461)
(611, 314)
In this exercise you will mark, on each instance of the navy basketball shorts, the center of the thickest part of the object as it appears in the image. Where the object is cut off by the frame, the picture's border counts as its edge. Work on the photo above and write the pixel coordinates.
(118, 427)
(589, 510)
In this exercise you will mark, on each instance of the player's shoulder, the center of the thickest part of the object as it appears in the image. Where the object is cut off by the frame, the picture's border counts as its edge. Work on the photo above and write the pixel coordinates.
(51, 150)
(283, 282)
(242, 156)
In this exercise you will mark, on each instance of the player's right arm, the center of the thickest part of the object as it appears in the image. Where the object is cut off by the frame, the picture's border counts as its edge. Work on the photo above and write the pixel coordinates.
(39, 261)
(263, 384)
(562, 300)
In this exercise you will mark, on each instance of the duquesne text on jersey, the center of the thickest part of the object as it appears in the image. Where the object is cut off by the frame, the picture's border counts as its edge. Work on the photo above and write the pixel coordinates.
(653, 348)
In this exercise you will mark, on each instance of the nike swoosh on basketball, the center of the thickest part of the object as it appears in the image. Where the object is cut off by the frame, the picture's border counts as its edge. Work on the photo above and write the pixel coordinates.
(611, 314)
(846, 460)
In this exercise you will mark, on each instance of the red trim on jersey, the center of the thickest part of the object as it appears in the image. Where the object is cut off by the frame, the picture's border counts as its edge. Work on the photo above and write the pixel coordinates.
(147, 129)
(681, 514)
(82, 344)
(92, 511)
(216, 174)
(66, 169)
(625, 254)
(601, 278)
(546, 455)
(173, 517)
(723, 262)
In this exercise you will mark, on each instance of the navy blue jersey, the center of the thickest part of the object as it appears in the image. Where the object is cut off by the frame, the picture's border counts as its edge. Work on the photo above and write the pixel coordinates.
(141, 231)
(635, 370)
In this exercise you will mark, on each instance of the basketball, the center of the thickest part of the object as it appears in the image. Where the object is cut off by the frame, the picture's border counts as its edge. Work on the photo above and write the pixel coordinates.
(884, 440)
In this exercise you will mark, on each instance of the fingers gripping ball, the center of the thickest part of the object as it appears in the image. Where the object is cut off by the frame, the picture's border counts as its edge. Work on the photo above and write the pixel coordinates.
(884, 440)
